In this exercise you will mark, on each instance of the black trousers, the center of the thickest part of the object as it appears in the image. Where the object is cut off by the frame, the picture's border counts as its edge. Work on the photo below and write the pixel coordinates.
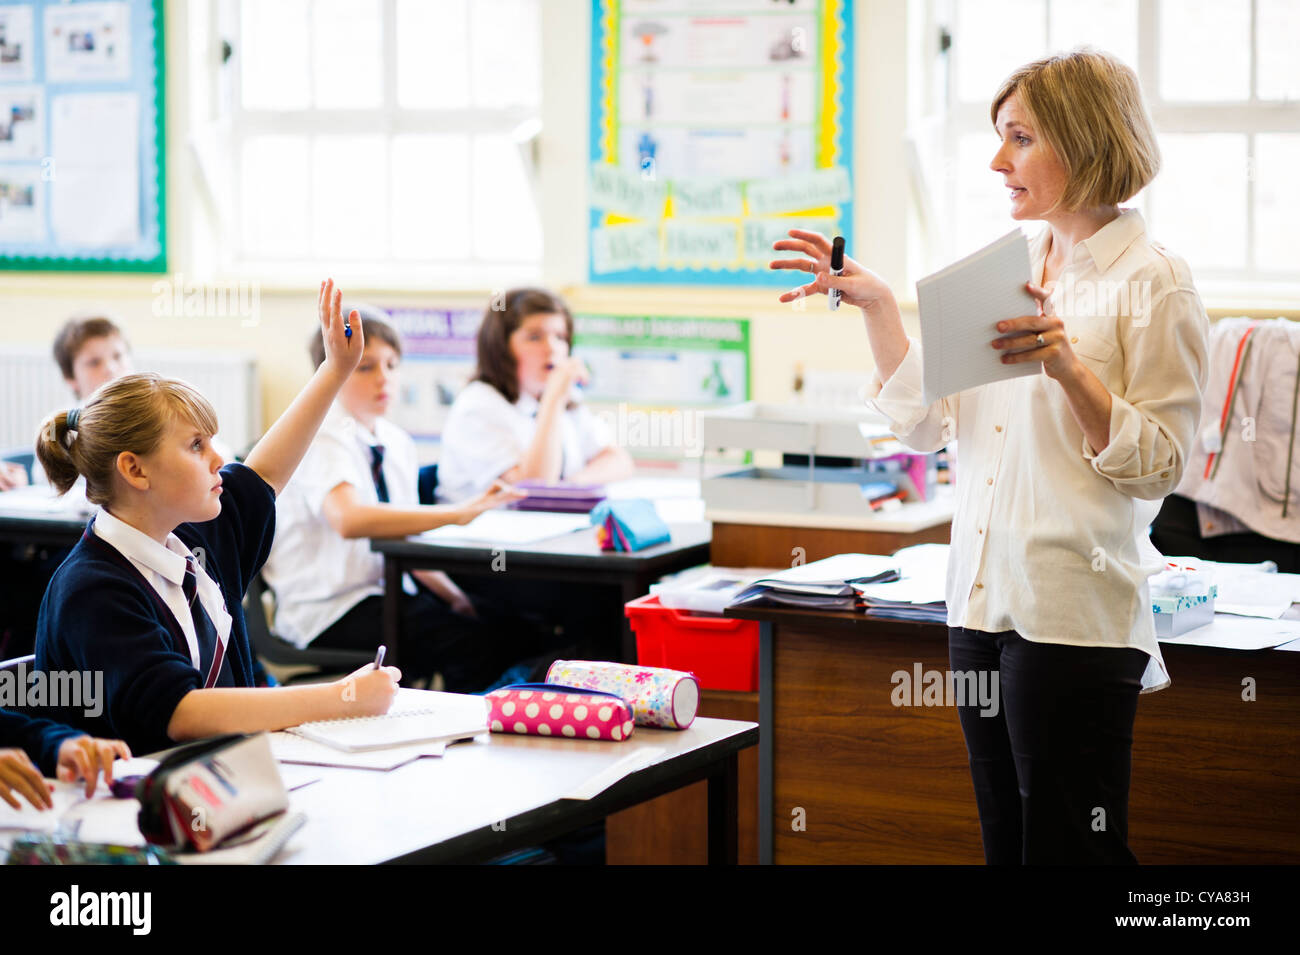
(436, 640)
(1051, 763)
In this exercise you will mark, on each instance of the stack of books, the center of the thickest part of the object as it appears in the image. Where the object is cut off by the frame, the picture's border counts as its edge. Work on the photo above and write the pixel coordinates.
(822, 585)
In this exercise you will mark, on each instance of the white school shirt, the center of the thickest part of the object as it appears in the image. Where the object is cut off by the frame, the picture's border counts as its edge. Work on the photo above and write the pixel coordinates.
(164, 569)
(486, 435)
(1048, 538)
(316, 574)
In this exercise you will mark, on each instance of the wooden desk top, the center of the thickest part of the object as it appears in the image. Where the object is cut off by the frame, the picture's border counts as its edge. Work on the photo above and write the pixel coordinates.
(858, 621)
(577, 550)
(443, 808)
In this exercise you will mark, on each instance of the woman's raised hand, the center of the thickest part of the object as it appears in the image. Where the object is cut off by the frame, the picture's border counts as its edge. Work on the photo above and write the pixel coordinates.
(858, 286)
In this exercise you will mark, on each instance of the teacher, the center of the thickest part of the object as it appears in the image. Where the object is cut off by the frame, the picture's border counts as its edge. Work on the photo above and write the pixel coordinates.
(1058, 474)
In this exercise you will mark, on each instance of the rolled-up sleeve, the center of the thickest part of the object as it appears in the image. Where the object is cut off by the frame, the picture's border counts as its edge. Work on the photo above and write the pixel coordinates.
(1154, 421)
(920, 426)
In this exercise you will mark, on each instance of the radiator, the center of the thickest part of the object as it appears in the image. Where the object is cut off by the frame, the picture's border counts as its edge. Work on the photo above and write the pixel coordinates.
(31, 387)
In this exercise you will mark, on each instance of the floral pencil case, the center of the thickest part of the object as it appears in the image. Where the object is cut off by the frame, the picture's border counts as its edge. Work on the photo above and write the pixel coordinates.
(551, 709)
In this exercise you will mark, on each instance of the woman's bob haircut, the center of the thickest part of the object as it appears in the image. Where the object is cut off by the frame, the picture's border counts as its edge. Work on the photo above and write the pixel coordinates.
(1087, 106)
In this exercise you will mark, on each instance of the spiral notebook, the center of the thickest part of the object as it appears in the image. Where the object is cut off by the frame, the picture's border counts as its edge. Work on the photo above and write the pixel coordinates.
(417, 716)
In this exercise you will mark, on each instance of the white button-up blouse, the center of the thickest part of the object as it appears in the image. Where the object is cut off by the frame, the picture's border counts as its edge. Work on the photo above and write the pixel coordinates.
(1050, 539)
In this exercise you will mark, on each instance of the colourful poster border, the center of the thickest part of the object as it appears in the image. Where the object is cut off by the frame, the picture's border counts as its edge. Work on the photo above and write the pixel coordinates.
(833, 142)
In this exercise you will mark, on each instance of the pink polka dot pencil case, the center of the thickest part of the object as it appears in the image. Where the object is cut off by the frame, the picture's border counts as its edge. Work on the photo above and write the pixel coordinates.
(551, 709)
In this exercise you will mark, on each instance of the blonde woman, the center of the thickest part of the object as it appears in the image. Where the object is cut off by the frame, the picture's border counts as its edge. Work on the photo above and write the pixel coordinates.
(1059, 474)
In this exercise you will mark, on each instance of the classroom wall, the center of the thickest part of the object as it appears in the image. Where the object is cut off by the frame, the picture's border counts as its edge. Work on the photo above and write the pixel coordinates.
(34, 305)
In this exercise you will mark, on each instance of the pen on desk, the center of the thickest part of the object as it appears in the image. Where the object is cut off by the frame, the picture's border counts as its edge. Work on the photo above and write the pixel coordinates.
(837, 268)
(379, 657)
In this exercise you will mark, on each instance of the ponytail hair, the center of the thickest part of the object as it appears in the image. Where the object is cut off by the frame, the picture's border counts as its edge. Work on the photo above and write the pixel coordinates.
(131, 413)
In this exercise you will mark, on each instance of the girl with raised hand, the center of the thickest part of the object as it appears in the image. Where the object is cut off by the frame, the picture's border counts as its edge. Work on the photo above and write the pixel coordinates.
(151, 594)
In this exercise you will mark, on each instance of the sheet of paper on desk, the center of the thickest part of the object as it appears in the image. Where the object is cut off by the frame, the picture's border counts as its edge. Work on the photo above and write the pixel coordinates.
(1246, 590)
(960, 307)
(291, 749)
(43, 501)
(508, 527)
(1240, 633)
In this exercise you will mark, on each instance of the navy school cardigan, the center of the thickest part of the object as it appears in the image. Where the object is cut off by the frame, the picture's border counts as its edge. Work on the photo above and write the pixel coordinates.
(40, 738)
(100, 614)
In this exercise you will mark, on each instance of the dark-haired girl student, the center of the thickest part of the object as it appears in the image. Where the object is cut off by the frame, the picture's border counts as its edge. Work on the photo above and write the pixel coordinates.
(519, 420)
(42, 746)
(150, 595)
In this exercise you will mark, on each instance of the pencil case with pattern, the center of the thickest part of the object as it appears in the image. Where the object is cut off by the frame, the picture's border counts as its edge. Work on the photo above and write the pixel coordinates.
(552, 709)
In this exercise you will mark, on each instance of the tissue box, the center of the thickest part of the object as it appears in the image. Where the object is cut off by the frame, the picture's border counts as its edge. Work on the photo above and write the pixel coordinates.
(1178, 613)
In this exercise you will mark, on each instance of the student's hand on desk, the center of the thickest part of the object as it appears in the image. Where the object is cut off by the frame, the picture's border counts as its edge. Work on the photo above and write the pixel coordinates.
(12, 476)
(499, 494)
(20, 777)
(82, 757)
(858, 286)
(342, 354)
(369, 692)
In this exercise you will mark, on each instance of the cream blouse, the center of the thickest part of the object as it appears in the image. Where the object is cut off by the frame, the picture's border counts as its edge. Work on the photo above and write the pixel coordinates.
(1048, 538)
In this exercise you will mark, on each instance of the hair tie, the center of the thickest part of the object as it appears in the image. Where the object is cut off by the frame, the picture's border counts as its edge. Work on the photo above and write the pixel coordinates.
(71, 426)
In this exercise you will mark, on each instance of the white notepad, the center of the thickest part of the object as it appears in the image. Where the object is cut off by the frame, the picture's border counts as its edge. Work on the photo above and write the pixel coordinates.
(436, 717)
(960, 307)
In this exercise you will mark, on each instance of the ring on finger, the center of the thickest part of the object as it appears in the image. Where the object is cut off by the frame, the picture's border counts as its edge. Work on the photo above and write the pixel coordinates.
(1040, 340)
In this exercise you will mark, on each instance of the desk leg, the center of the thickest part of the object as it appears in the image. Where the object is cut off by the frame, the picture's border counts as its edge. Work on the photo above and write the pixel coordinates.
(631, 589)
(724, 810)
(766, 732)
(393, 610)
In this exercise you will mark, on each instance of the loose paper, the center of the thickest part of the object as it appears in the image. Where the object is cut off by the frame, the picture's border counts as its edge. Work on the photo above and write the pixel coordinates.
(87, 42)
(97, 169)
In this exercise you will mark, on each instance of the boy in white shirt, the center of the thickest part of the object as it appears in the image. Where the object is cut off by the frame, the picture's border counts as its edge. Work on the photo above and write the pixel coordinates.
(359, 481)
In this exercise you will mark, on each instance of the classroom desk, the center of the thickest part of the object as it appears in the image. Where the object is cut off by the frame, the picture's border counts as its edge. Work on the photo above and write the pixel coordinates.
(501, 793)
(574, 558)
(41, 530)
(1214, 779)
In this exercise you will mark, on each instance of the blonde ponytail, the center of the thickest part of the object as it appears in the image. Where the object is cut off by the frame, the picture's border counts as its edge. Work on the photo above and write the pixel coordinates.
(130, 413)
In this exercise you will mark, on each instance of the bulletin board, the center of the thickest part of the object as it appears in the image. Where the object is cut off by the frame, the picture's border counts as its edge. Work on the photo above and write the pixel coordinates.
(716, 126)
(82, 170)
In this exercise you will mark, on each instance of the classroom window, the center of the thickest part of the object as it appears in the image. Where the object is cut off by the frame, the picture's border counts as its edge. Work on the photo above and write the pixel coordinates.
(389, 138)
(1222, 83)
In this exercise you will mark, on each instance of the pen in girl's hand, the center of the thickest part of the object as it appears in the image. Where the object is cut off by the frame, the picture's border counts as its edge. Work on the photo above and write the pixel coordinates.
(379, 657)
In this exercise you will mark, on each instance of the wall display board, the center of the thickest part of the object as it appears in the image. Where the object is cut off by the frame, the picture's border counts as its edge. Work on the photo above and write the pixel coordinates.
(82, 182)
(716, 126)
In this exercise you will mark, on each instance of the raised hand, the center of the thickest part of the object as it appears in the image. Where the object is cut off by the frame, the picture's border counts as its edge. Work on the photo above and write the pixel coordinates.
(342, 352)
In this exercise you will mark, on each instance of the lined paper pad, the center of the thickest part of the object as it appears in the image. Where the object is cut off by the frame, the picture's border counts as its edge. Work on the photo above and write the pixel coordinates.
(416, 716)
(960, 307)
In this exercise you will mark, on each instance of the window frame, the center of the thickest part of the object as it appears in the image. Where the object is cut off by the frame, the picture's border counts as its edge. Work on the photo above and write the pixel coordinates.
(953, 119)
(381, 271)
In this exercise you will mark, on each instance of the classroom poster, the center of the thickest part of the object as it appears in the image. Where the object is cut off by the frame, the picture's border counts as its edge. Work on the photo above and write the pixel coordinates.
(82, 178)
(652, 376)
(716, 126)
(438, 355)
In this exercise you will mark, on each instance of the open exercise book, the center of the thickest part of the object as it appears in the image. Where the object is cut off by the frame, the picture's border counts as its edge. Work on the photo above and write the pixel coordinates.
(960, 308)
(416, 716)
